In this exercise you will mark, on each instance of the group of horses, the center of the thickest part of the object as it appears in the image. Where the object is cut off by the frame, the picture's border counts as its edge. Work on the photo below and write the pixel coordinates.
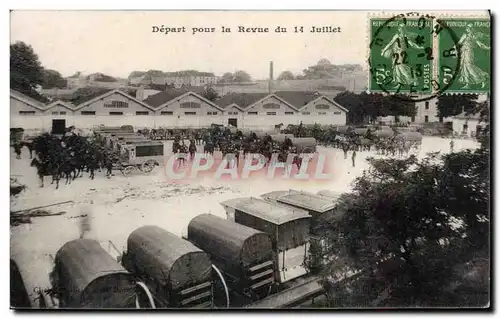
(68, 157)
(232, 145)
(385, 142)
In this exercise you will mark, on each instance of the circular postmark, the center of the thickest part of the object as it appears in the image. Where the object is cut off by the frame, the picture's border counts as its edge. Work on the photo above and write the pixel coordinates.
(402, 56)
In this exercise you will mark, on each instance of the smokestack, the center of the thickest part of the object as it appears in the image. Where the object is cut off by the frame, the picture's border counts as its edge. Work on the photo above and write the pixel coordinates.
(270, 77)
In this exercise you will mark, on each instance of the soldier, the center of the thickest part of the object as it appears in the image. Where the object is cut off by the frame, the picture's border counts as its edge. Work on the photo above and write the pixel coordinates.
(452, 145)
(85, 221)
(354, 158)
(17, 149)
(345, 148)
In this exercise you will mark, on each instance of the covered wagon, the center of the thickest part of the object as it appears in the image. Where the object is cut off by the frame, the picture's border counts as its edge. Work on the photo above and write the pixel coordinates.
(177, 273)
(384, 133)
(86, 276)
(280, 138)
(288, 227)
(244, 254)
(330, 194)
(412, 136)
(361, 130)
(304, 144)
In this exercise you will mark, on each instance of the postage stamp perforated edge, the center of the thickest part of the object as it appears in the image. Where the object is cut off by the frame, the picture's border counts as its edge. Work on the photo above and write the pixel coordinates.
(436, 50)
(459, 16)
(387, 15)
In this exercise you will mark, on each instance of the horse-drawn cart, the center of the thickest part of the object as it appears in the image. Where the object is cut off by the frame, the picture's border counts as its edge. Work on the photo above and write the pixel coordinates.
(143, 156)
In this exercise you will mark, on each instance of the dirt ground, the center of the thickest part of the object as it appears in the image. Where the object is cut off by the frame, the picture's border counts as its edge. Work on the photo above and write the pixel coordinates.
(119, 205)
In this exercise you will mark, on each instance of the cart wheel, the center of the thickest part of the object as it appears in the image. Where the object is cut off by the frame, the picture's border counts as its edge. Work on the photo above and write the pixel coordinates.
(128, 170)
(148, 166)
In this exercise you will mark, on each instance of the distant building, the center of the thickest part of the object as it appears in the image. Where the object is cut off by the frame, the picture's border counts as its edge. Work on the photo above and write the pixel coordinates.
(178, 79)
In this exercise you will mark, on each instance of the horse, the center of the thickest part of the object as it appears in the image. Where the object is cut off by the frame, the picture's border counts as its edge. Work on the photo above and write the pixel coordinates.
(45, 169)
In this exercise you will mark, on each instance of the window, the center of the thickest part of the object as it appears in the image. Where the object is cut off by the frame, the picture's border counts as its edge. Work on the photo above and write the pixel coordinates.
(116, 104)
(321, 113)
(252, 113)
(271, 113)
(167, 113)
(88, 112)
(211, 113)
(142, 113)
(62, 113)
(189, 113)
(271, 106)
(322, 107)
(26, 112)
(115, 113)
(148, 150)
(337, 113)
(306, 113)
(426, 119)
(288, 113)
(55, 113)
(426, 105)
(190, 105)
(232, 113)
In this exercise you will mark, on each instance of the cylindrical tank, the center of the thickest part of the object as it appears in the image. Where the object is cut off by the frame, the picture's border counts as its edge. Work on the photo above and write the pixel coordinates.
(245, 255)
(304, 144)
(233, 244)
(86, 276)
(171, 261)
(412, 136)
(280, 138)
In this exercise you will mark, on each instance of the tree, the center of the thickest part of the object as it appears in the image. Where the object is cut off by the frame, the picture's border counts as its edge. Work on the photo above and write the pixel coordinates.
(136, 74)
(286, 75)
(53, 79)
(418, 230)
(26, 71)
(454, 104)
(210, 94)
(226, 78)
(241, 76)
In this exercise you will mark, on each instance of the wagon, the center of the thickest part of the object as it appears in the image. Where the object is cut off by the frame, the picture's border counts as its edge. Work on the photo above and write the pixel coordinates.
(288, 227)
(243, 254)
(280, 138)
(412, 136)
(304, 144)
(86, 276)
(384, 133)
(178, 273)
(143, 156)
(361, 130)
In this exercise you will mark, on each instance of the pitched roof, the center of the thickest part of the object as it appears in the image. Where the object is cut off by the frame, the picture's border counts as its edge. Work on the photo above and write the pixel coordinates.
(86, 94)
(163, 97)
(331, 101)
(297, 98)
(27, 99)
(276, 214)
(108, 93)
(304, 200)
(241, 99)
(67, 105)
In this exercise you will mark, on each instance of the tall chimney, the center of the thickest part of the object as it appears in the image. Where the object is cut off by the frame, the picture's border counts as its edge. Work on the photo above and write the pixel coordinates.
(270, 77)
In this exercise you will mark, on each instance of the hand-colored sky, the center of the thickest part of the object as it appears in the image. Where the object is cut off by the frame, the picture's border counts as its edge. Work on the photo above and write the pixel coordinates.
(118, 42)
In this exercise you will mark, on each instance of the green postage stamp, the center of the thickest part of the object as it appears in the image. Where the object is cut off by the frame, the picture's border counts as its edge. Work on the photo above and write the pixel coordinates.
(468, 43)
(401, 55)
(422, 54)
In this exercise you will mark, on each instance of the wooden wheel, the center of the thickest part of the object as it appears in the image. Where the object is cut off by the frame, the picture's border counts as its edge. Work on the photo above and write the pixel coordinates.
(128, 170)
(148, 166)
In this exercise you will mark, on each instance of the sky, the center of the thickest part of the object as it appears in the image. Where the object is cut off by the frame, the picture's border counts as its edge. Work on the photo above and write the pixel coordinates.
(119, 42)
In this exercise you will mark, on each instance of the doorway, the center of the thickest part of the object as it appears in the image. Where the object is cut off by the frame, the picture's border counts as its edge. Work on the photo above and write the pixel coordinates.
(58, 126)
(233, 122)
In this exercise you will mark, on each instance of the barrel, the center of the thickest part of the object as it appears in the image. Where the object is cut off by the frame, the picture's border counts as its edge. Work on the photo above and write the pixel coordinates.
(280, 138)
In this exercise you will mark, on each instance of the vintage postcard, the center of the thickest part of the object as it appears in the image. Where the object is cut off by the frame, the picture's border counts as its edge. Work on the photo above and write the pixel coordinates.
(250, 159)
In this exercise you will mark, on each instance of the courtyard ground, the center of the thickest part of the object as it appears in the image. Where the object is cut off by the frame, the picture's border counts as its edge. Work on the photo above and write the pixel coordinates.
(119, 205)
